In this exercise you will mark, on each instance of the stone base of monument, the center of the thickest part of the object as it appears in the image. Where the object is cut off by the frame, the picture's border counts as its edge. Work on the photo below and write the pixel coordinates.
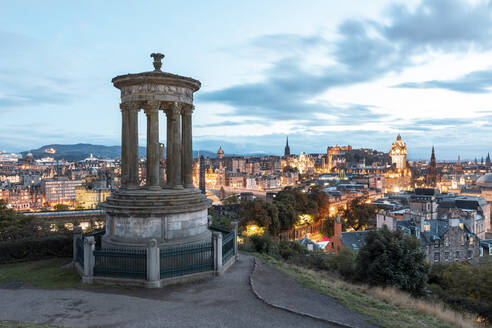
(170, 216)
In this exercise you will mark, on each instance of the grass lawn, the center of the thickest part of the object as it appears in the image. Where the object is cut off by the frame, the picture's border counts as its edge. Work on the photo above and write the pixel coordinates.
(388, 307)
(43, 274)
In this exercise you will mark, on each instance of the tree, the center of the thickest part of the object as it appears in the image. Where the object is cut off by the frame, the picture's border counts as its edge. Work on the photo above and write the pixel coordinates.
(15, 225)
(322, 200)
(298, 200)
(392, 259)
(359, 215)
(234, 199)
(260, 213)
(287, 215)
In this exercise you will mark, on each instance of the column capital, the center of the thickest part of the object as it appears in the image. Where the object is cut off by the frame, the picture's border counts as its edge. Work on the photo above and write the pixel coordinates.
(151, 106)
(187, 109)
(173, 109)
(128, 106)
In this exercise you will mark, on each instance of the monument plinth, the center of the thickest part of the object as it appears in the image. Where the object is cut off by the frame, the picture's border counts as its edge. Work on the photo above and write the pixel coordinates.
(173, 212)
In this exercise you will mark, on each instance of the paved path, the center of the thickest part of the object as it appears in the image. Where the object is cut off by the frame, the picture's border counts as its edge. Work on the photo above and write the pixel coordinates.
(225, 301)
(278, 289)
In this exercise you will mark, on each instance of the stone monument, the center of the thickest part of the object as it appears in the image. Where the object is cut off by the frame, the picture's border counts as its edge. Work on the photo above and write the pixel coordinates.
(169, 210)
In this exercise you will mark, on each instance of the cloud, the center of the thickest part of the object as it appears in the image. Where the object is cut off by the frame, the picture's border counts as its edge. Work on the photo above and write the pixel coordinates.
(364, 51)
(474, 82)
(440, 24)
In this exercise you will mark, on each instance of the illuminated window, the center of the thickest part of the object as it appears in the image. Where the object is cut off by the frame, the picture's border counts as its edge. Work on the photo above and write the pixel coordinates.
(437, 257)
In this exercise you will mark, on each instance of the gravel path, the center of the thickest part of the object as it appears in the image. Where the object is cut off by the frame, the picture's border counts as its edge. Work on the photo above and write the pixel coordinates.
(226, 301)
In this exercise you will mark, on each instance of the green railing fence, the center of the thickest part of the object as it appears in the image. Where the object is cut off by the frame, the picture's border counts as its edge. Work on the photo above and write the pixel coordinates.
(227, 246)
(80, 251)
(122, 263)
(188, 259)
(227, 242)
(97, 236)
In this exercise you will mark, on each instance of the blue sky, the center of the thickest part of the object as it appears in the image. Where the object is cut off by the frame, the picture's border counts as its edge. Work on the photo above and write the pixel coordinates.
(323, 72)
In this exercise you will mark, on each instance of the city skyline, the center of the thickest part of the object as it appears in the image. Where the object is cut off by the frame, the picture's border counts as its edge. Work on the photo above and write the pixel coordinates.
(343, 74)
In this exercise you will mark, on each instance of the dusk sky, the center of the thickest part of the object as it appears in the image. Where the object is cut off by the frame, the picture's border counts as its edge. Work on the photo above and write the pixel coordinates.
(322, 72)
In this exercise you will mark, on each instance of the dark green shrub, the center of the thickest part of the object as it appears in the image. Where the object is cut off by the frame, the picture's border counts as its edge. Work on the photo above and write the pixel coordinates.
(345, 262)
(392, 259)
(34, 249)
(262, 244)
(289, 249)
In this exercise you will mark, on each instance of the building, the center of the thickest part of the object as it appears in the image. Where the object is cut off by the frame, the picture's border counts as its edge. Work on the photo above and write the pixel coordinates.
(287, 148)
(61, 190)
(432, 175)
(90, 198)
(398, 154)
(220, 153)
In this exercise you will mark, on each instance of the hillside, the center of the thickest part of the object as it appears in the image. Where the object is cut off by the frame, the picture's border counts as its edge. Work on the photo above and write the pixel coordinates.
(77, 152)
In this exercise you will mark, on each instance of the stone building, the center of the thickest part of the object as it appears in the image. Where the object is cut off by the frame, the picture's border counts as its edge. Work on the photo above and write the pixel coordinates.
(398, 154)
(432, 174)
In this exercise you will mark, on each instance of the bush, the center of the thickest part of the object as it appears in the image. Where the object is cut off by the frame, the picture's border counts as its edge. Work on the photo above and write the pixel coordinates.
(289, 249)
(35, 249)
(262, 244)
(392, 259)
(345, 262)
(465, 286)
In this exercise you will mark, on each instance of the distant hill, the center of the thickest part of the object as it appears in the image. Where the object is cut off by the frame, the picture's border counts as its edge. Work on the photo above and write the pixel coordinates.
(81, 151)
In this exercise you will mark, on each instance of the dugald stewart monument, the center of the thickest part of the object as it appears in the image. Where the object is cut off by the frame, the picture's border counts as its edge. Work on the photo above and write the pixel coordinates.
(169, 210)
(158, 233)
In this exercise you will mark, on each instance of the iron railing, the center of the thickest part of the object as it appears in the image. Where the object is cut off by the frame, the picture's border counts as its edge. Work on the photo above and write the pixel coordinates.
(79, 242)
(97, 236)
(219, 228)
(227, 246)
(123, 263)
(187, 259)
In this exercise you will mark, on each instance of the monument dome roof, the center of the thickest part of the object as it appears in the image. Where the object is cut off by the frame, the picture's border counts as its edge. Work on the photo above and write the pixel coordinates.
(485, 180)
(157, 76)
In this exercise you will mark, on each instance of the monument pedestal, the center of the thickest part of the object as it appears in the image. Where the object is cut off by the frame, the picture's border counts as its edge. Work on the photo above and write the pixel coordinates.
(170, 216)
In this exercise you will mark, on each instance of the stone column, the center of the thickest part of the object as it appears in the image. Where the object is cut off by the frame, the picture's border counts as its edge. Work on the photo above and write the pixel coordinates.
(187, 144)
(217, 244)
(124, 144)
(89, 260)
(153, 151)
(132, 145)
(173, 160)
(153, 265)
(234, 229)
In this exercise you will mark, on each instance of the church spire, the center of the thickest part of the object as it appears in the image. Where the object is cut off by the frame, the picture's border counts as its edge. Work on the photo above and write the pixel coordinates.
(287, 148)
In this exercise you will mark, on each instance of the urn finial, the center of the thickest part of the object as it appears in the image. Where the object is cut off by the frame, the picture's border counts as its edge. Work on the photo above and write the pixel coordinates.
(157, 61)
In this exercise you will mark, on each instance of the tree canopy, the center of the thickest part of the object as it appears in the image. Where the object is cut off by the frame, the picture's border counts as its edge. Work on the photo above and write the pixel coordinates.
(392, 259)
(359, 215)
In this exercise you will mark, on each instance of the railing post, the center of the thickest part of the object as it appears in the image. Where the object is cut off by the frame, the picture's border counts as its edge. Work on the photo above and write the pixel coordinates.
(234, 229)
(217, 242)
(89, 246)
(153, 265)
(77, 233)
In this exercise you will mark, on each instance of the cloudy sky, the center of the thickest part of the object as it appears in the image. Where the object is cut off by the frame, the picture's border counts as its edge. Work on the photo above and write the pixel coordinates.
(322, 72)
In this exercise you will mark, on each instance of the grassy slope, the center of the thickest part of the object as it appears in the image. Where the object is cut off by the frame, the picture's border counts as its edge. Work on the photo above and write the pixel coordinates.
(42, 274)
(391, 309)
